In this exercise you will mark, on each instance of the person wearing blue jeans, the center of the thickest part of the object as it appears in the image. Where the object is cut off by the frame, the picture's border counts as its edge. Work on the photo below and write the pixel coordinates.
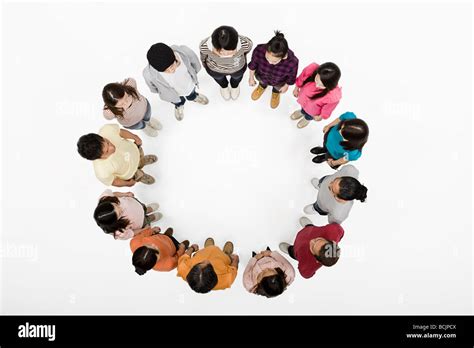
(190, 97)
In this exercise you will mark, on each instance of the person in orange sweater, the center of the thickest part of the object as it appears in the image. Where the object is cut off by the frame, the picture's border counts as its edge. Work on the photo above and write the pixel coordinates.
(151, 249)
(209, 269)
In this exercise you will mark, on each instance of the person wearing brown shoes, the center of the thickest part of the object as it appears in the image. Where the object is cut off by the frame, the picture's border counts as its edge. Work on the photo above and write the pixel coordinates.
(273, 64)
(117, 156)
(210, 268)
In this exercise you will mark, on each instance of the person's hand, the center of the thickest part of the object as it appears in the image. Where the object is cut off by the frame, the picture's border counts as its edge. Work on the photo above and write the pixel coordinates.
(284, 88)
(129, 194)
(138, 141)
(296, 91)
(195, 247)
(155, 230)
(235, 258)
(266, 253)
(259, 255)
(332, 162)
(252, 82)
(326, 128)
(131, 182)
(318, 118)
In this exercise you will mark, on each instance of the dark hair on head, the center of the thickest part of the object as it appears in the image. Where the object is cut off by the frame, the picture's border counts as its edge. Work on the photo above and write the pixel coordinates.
(350, 188)
(271, 286)
(106, 218)
(202, 279)
(329, 74)
(329, 254)
(144, 259)
(225, 37)
(90, 145)
(356, 132)
(111, 94)
(278, 46)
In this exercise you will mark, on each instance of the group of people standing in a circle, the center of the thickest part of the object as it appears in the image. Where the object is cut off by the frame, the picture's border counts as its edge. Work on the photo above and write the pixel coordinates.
(172, 73)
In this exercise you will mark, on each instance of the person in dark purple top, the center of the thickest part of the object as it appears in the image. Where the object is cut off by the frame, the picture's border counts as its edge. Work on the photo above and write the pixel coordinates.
(273, 64)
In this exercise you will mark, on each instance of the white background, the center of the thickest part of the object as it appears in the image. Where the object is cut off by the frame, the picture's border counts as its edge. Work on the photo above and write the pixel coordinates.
(238, 170)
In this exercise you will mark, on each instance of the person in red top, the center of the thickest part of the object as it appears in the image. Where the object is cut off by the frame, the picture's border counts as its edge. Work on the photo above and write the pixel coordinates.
(314, 246)
(153, 250)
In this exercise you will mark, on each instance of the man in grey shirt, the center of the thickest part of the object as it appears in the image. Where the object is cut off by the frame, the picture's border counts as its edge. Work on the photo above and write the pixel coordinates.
(337, 193)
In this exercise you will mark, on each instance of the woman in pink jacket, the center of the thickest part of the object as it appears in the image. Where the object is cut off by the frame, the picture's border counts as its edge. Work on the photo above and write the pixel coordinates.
(317, 92)
(268, 274)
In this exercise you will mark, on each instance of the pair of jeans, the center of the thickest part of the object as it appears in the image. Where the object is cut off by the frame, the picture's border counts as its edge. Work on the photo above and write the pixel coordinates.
(190, 97)
(221, 78)
(307, 116)
(146, 118)
(275, 89)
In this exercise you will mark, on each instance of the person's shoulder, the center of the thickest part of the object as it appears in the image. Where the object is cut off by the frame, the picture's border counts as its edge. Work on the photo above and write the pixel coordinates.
(130, 81)
(349, 170)
(203, 44)
(292, 56)
(348, 115)
(261, 47)
(244, 40)
(109, 129)
(334, 227)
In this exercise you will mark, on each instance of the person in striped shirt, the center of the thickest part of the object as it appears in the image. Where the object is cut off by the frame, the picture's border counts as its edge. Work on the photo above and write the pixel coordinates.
(273, 64)
(223, 54)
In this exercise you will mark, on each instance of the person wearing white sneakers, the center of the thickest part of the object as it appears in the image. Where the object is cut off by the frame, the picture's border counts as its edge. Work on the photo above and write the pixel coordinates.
(132, 110)
(172, 73)
(314, 246)
(122, 215)
(224, 53)
(336, 194)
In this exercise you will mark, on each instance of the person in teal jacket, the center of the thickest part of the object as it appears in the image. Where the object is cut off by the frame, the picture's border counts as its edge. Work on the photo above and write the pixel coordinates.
(344, 139)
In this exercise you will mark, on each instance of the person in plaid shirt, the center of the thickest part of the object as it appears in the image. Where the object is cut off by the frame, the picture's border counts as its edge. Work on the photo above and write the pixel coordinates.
(273, 64)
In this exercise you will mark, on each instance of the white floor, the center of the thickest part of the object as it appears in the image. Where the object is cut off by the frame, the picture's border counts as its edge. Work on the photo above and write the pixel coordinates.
(238, 170)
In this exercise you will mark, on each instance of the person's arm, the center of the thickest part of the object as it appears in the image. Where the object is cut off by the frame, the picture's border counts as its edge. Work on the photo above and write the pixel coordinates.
(109, 115)
(286, 266)
(307, 72)
(247, 277)
(339, 162)
(192, 249)
(235, 260)
(253, 65)
(121, 183)
(292, 73)
(330, 125)
(327, 109)
(252, 81)
(284, 88)
(250, 43)
(193, 58)
(149, 82)
(130, 81)
(202, 54)
(147, 231)
(305, 271)
(129, 135)
(181, 250)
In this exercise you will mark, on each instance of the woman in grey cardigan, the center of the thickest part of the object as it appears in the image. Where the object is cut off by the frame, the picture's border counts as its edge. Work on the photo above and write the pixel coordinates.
(172, 73)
